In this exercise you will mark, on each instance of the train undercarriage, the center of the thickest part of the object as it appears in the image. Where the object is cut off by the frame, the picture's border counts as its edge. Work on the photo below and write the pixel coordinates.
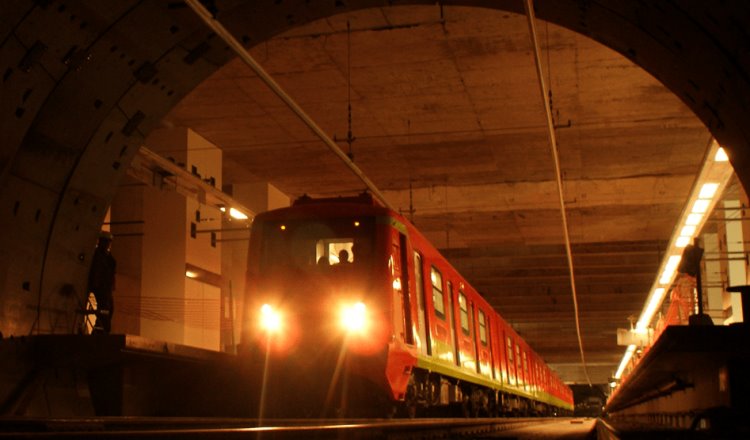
(434, 395)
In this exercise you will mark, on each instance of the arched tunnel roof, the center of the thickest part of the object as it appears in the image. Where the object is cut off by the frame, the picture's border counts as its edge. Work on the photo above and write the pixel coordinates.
(85, 82)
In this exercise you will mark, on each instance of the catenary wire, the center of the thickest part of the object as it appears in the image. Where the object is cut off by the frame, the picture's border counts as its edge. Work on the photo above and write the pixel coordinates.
(529, 7)
(228, 38)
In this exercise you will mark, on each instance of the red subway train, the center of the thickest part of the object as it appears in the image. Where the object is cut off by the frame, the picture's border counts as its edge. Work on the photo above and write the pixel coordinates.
(351, 311)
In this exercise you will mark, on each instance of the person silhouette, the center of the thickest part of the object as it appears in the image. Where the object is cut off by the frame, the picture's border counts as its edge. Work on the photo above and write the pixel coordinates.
(102, 283)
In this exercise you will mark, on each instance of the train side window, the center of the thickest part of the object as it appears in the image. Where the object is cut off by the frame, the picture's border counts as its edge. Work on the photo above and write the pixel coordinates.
(518, 358)
(464, 308)
(525, 367)
(437, 292)
(510, 350)
(482, 328)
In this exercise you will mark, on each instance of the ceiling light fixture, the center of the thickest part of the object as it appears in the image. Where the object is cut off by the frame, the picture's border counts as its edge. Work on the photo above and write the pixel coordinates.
(683, 241)
(700, 206)
(710, 183)
(693, 219)
(688, 230)
(721, 155)
(708, 190)
(237, 214)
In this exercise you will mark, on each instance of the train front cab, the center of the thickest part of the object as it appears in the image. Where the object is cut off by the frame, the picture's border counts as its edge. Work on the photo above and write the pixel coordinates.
(317, 310)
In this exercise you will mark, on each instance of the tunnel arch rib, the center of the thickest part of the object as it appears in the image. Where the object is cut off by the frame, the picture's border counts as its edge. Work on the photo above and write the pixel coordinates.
(83, 83)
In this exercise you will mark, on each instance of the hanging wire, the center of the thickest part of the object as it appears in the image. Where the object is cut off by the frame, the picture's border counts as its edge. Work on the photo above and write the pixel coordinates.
(529, 7)
(349, 135)
(232, 42)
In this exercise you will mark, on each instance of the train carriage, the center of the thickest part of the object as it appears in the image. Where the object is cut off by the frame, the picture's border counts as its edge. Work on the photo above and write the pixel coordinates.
(349, 307)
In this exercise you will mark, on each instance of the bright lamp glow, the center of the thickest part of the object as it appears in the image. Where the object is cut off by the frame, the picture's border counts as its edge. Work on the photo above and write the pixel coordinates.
(237, 214)
(693, 219)
(625, 360)
(354, 317)
(671, 266)
(721, 155)
(666, 276)
(191, 274)
(688, 230)
(653, 304)
(682, 241)
(708, 190)
(270, 319)
(700, 206)
(674, 261)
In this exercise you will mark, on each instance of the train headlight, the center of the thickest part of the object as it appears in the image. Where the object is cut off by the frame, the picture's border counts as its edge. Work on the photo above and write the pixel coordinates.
(354, 317)
(270, 319)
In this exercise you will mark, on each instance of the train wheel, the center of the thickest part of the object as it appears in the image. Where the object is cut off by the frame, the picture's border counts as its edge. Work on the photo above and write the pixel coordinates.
(468, 410)
(411, 401)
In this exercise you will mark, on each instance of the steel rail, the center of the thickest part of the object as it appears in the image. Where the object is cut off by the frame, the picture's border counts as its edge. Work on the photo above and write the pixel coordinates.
(281, 429)
(228, 38)
(529, 7)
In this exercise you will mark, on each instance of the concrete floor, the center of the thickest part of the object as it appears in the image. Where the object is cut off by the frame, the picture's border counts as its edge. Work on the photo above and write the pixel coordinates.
(570, 429)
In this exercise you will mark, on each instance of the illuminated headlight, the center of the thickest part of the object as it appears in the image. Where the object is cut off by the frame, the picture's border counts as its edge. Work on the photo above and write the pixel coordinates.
(270, 319)
(354, 317)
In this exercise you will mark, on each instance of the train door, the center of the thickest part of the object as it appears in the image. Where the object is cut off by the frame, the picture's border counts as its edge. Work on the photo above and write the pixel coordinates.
(474, 339)
(520, 378)
(401, 290)
(439, 326)
(424, 336)
(480, 340)
(467, 347)
(496, 348)
(452, 323)
(512, 379)
(526, 378)
(484, 345)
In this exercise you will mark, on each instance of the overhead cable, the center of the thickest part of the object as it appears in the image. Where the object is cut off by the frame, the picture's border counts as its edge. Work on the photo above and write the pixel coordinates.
(225, 35)
(529, 7)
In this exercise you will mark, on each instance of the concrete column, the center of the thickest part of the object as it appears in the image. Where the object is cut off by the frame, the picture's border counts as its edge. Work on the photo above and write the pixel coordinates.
(203, 294)
(127, 210)
(154, 297)
(260, 196)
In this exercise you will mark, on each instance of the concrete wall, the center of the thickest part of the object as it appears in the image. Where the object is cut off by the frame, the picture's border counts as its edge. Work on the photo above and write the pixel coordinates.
(85, 82)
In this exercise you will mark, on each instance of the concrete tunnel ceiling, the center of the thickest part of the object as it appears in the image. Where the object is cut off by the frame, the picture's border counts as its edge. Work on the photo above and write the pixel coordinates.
(84, 83)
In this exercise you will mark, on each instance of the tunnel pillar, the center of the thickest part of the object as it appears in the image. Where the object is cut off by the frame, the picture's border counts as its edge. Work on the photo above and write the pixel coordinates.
(169, 259)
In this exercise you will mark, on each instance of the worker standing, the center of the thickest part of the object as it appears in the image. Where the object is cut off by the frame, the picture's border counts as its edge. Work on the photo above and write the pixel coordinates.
(102, 283)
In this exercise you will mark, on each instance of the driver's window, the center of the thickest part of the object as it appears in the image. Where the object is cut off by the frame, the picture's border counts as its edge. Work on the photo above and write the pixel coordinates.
(334, 251)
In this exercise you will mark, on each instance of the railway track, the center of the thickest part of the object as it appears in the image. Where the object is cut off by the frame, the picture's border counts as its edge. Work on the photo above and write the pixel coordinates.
(196, 428)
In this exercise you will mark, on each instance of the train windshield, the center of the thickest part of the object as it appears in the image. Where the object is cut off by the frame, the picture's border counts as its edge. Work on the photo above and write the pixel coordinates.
(321, 243)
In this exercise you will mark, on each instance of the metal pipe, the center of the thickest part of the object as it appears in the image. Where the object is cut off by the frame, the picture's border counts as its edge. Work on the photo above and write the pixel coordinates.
(271, 83)
(529, 7)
